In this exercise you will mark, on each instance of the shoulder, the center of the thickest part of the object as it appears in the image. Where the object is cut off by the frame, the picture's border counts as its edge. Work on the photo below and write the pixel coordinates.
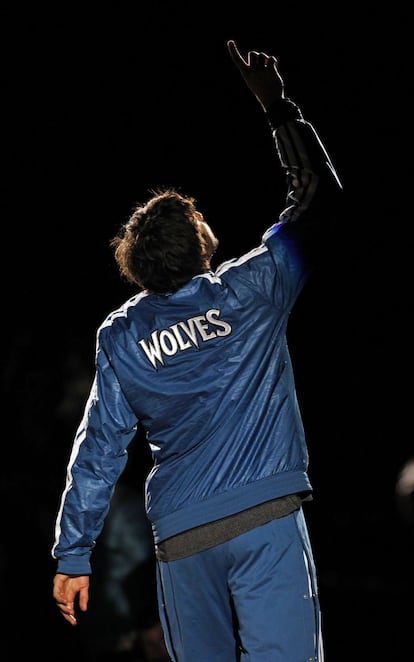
(121, 314)
(244, 262)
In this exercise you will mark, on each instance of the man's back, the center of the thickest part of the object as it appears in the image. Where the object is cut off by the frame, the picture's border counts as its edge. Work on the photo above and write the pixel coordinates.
(207, 372)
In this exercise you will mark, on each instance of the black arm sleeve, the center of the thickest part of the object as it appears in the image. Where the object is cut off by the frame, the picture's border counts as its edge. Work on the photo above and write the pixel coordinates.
(312, 182)
(303, 156)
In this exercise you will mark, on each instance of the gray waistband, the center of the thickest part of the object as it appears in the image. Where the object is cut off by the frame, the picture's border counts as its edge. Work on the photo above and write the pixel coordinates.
(214, 533)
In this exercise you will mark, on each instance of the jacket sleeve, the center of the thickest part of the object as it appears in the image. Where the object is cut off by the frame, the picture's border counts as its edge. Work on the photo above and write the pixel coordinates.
(97, 459)
(312, 181)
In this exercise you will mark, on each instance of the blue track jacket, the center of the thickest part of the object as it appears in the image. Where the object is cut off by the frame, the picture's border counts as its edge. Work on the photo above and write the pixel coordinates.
(206, 371)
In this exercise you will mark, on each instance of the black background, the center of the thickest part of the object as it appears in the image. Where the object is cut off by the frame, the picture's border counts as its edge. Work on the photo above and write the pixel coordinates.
(101, 105)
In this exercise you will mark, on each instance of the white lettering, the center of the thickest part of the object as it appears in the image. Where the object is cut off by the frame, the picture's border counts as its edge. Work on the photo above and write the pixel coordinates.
(202, 327)
(211, 316)
(153, 351)
(167, 342)
(183, 344)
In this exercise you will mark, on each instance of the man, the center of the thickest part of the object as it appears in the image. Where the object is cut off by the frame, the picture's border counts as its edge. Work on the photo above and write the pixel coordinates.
(200, 359)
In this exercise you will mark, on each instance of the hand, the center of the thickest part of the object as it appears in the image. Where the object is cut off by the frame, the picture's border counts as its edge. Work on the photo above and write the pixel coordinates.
(65, 590)
(260, 73)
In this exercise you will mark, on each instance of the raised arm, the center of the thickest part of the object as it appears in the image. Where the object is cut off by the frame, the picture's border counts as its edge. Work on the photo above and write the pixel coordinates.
(299, 148)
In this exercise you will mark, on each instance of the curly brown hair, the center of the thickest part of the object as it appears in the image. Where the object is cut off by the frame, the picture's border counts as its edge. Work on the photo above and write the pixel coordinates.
(162, 246)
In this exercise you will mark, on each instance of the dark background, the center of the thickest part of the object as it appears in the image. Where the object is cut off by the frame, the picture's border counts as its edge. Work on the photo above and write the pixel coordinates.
(101, 105)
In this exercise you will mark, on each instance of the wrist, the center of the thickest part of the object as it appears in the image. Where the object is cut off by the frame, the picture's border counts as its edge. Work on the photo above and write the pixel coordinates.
(282, 110)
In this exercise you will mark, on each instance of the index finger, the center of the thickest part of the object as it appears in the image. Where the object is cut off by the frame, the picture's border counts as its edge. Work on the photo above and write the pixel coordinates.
(237, 58)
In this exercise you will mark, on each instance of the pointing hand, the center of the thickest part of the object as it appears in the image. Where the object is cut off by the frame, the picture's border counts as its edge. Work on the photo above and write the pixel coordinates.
(260, 73)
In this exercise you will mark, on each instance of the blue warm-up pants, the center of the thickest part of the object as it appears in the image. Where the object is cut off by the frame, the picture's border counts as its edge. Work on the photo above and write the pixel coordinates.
(253, 598)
